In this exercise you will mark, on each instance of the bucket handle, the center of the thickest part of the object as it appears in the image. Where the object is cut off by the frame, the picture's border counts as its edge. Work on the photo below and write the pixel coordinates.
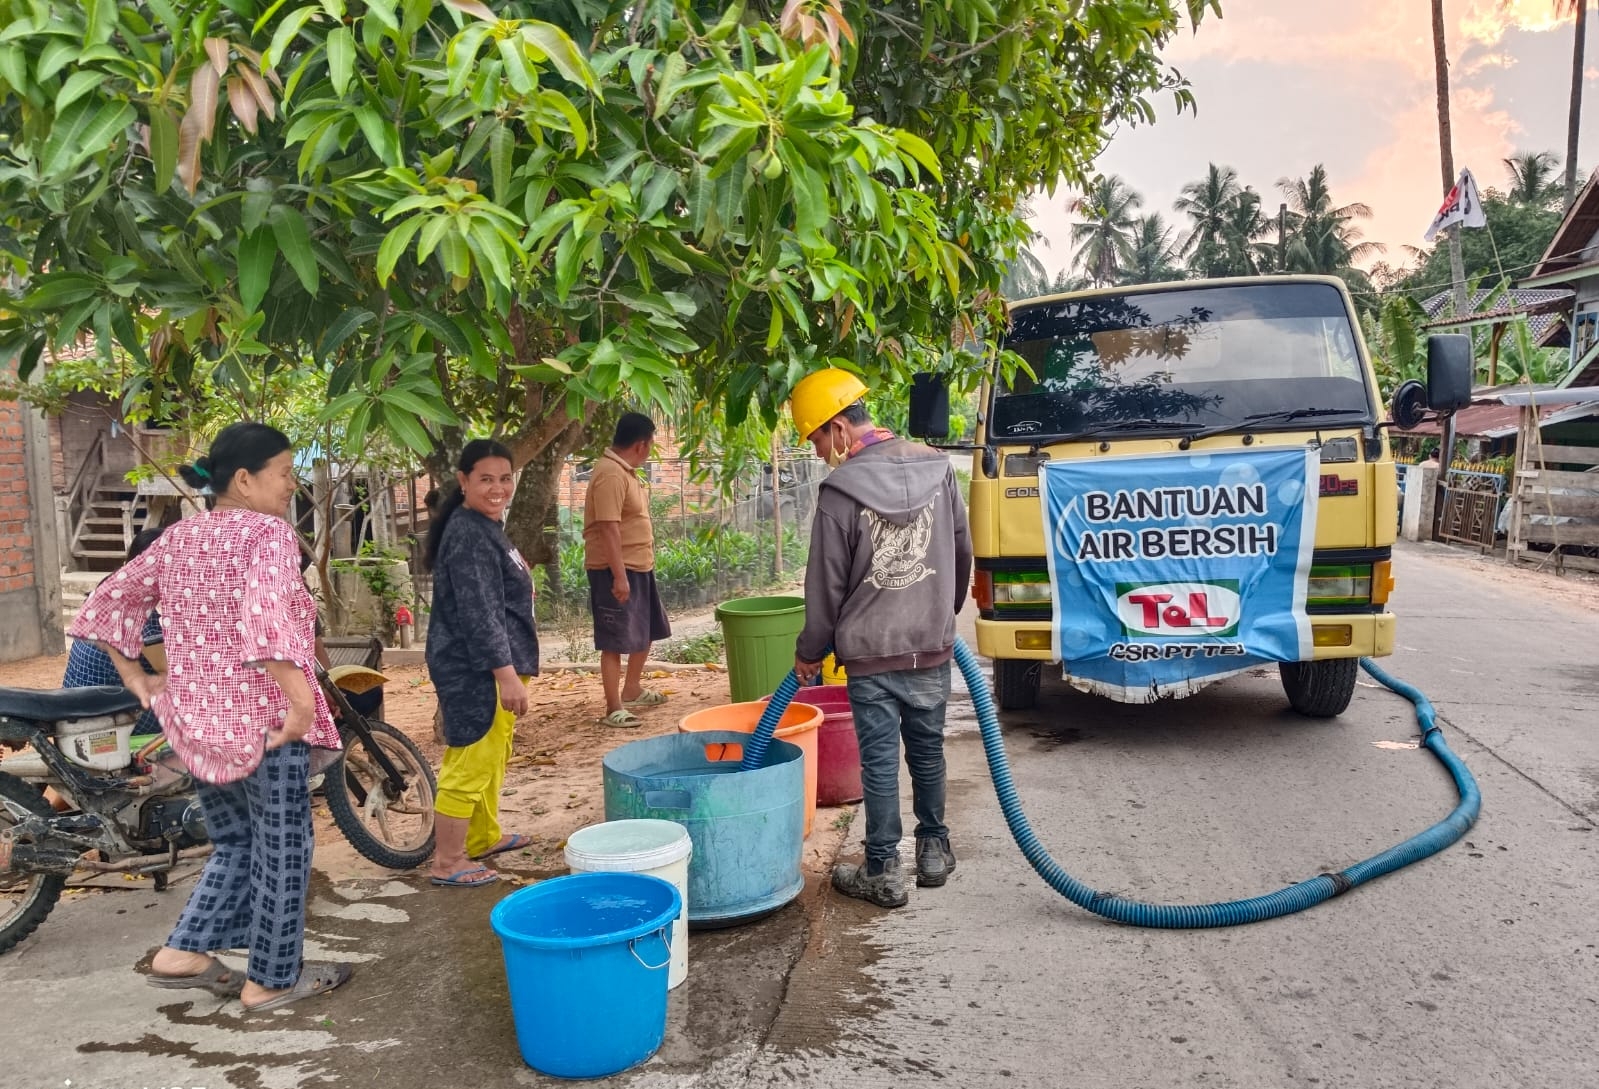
(632, 947)
(668, 799)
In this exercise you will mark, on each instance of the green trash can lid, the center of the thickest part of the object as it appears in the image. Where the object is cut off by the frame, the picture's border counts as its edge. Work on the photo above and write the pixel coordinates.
(760, 606)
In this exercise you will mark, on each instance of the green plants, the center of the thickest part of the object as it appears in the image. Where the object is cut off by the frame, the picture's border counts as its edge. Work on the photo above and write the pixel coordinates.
(693, 649)
(384, 575)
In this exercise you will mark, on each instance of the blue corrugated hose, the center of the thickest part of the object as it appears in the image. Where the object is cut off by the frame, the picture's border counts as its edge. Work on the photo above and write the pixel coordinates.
(1285, 901)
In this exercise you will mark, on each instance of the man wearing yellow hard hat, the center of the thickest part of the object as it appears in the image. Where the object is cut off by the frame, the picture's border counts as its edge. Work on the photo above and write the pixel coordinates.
(889, 562)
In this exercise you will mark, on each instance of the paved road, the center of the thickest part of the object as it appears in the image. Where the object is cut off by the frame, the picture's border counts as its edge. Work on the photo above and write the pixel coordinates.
(1479, 967)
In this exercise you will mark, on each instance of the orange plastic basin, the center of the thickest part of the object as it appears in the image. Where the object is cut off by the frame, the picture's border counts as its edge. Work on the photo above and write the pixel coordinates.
(798, 726)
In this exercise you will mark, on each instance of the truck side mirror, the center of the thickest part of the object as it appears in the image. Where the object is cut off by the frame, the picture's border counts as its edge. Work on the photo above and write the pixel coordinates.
(929, 410)
(1410, 405)
(1451, 365)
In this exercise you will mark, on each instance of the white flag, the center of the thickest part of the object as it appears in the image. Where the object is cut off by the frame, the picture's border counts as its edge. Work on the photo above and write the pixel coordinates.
(1463, 206)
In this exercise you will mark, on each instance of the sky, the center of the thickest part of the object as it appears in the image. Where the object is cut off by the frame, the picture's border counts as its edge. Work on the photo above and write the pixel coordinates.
(1285, 84)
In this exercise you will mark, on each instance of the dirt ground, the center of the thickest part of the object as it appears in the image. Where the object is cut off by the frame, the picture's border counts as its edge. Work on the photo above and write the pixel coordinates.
(553, 785)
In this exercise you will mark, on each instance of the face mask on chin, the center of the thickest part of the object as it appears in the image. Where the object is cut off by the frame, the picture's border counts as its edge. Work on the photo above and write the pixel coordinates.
(835, 456)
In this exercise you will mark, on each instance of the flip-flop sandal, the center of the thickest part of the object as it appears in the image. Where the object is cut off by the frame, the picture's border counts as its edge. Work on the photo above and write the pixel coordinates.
(217, 978)
(513, 842)
(622, 720)
(647, 698)
(457, 880)
(316, 977)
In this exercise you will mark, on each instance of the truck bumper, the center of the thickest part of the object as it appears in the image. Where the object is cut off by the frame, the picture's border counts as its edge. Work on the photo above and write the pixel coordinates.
(1352, 635)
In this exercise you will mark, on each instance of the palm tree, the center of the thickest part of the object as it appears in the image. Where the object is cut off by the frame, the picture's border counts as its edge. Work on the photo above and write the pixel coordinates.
(1579, 8)
(1104, 240)
(1323, 238)
(1209, 203)
(1532, 178)
(1247, 226)
(1155, 257)
(1027, 278)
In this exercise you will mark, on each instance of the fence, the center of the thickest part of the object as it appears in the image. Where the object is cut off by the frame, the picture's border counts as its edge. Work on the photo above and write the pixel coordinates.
(1556, 509)
(711, 543)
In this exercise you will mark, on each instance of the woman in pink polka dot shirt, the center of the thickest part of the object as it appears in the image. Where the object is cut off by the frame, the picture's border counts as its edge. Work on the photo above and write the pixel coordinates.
(241, 706)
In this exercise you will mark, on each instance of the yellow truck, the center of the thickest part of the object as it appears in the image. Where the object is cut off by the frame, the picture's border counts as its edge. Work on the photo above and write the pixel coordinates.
(1143, 379)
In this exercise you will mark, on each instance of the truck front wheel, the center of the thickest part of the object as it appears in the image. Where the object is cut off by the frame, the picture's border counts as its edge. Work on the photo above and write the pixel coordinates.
(1016, 683)
(1320, 689)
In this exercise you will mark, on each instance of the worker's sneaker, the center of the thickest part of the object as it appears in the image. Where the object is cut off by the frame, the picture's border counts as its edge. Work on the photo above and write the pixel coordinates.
(885, 887)
(934, 861)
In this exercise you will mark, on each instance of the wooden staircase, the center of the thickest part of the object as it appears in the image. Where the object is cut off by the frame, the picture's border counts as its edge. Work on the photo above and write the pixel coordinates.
(113, 512)
(103, 513)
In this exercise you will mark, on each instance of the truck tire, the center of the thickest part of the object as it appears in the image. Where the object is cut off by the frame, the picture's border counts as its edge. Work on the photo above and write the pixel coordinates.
(1016, 683)
(1320, 689)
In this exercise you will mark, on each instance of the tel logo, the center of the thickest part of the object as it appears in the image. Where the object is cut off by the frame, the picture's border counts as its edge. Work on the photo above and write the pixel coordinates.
(1178, 608)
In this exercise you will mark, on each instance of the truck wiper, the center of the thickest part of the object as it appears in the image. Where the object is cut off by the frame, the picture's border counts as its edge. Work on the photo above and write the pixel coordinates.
(1142, 424)
(1283, 415)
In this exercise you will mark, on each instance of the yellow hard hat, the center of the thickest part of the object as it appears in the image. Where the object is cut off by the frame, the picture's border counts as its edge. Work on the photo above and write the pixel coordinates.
(820, 396)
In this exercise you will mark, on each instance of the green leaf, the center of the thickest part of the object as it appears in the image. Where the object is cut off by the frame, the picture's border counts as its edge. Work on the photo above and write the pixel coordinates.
(517, 72)
(343, 327)
(56, 54)
(553, 42)
(380, 134)
(56, 290)
(432, 409)
(128, 335)
(163, 146)
(671, 84)
(443, 330)
(408, 430)
(341, 59)
(257, 254)
(254, 208)
(920, 150)
(85, 130)
(285, 34)
(288, 226)
(393, 247)
(811, 207)
(502, 146)
(77, 85)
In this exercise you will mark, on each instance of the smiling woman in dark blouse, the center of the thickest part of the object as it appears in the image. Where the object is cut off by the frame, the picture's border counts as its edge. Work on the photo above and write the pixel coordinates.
(481, 649)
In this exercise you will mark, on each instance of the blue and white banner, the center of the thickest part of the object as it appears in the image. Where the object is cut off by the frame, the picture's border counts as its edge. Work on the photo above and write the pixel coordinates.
(1171, 571)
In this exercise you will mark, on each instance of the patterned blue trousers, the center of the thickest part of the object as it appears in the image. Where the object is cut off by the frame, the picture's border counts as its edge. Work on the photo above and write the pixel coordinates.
(251, 893)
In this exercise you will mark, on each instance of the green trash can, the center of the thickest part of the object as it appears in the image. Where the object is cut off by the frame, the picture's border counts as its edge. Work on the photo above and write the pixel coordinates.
(759, 633)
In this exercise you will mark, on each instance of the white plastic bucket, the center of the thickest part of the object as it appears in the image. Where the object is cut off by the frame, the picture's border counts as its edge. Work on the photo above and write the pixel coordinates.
(658, 848)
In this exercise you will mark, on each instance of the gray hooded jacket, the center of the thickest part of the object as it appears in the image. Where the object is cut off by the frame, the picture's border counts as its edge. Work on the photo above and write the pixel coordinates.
(889, 562)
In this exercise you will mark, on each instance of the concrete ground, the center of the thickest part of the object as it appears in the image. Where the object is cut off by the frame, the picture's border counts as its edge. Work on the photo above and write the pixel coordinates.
(1478, 967)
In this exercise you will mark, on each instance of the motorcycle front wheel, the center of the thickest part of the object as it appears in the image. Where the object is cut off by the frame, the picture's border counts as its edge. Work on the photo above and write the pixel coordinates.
(25, 898)
(393, 829)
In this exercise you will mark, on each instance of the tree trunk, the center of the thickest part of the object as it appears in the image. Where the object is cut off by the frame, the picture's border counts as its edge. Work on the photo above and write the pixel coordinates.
(537, 491)
(1446, 152)
(1574, 118)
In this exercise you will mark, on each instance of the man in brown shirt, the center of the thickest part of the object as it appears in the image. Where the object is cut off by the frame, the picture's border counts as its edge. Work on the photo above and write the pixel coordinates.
(619, 552)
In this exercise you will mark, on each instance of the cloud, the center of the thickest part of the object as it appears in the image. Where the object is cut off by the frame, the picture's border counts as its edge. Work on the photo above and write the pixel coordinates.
(1282, 87)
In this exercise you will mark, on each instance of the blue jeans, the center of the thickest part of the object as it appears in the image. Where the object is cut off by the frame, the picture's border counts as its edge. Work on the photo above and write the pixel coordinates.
(887, 706)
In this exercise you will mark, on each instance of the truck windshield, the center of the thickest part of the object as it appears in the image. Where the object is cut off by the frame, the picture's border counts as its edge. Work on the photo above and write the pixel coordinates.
(1247, 356)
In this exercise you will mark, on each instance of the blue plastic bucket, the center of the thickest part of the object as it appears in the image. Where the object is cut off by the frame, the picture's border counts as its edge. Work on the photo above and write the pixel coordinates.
(586, 960)
(747, 827)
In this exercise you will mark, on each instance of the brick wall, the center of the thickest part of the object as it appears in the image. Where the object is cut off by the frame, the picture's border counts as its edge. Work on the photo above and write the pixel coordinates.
(28, 595)
(72, 433)
(16, 528)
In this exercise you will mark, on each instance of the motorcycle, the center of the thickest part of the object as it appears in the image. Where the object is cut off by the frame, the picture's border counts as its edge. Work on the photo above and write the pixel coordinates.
(121, 810)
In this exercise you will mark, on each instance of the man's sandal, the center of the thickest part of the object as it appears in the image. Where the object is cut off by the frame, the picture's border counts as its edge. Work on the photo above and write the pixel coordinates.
(622, 720)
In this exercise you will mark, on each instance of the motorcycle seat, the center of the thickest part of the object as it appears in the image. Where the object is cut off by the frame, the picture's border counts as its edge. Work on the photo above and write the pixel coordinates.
(65, 704)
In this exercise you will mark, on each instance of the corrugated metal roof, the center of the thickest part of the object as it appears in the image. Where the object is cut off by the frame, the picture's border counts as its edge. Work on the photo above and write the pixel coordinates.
(1492, 420)
(1545, 309)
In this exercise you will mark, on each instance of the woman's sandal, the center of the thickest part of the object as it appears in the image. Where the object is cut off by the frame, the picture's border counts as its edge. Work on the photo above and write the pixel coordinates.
(513, 842)
(622, 720)
(649, 697)
(316, 977)
(218, 978)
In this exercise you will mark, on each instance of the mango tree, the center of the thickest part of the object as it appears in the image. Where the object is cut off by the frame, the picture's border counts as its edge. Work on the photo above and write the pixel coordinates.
(462, 217)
